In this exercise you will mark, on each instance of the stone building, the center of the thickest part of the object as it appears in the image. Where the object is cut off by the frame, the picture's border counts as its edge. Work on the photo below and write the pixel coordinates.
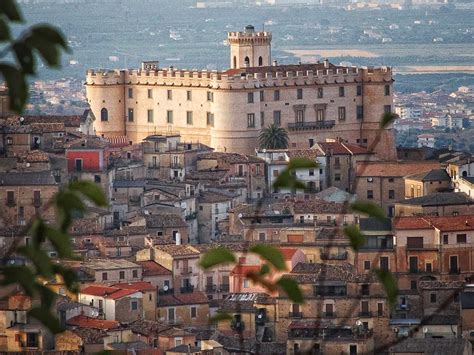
(227, 109)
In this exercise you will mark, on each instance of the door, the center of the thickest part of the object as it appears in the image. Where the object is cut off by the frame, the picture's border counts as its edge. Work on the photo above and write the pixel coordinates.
(453, 264)
(329, 310)
(413, 261)
(170, 315)
(78, 164)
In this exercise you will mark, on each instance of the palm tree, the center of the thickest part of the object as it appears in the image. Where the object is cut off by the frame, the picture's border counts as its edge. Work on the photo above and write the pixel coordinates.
(273, 137)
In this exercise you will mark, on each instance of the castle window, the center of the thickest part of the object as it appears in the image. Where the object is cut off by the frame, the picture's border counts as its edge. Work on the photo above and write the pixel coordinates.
(341, 112)
(9, 140)
(104, 115)
(387, 90)
(277, 117)
(387, 109)
(169, 94)
(341, 91)
(189, 95)
(235, 62)
(320, 93)
(210, 119)
(189, 117)
(299, 116)
(210, 96)
(360, 112)
(299, 94)
(370, 194)
(150, 93)
(130, 115)
(150, 116)
(247, 61)
(320, 114)
(260, 61)
(276, 95)
(262, 96)
(262, 119)
(250, 120)
(250, 97)
(169, 116)
(359, 90)
(130, 93)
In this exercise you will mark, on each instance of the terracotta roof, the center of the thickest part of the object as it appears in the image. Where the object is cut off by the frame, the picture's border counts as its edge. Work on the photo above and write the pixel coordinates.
(439, 199)
(230, 158)
(215, 197)
(165, 221)
(91, 336)
(394, 169)
(68, 121)
(152, 268)
(148, 327)
(318, 272)
(135, 286)
(178, 250)
(113, 293)
(177, 299)
(288, 252)
(36, 178)
(89, 143)
(319, 206)
(409, 223)
(339, 148)
(86, 322)
(303, 153)
(244, 269)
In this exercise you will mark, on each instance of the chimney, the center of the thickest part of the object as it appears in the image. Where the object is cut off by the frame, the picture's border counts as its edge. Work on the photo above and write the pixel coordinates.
(326, 63)
(275, 63)
(178, 238)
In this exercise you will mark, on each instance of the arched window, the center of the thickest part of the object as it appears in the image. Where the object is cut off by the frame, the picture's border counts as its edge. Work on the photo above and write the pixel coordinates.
(104, 114)
(260, 61)
(464, 173)
(247, 61)
(235, 62)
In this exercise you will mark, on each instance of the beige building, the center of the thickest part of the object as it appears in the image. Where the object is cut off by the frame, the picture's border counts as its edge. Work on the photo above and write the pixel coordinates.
(227, 109)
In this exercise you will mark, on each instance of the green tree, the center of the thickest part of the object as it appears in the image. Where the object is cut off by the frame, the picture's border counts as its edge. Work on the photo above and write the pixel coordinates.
(273, 137)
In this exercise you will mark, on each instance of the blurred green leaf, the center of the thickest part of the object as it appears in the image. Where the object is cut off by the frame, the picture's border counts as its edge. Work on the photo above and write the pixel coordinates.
(47, 319)
(301, 163)
(46, 294)
(61, 242)
(291, 288)
(11, 10)
(69, 277)
(265, 269)
(25, 57)
(21, 275)
(17, 88)
(369, 208)
(389, 283)
(4, 30)
(39, 258)
(49, 42)
(356, 238)
(91, 190)
(387, 118)
(38, 232)
(216, 256)
(67, 203)
(270, 254)
(219, 317)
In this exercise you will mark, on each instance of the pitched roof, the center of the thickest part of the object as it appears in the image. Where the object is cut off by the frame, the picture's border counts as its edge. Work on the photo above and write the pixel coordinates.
(393, 169)
(87, 322)
(89, 143)
(432, 175)
(288, 252)
(431, 346)
(319, 206)
(135, 286)
(107, 292)
(411, 223)
(165, 221)
(374, 224)
(177, 299)
(148, 327)
(37, 178)
(214, 197)
(178, 250)
(244, 269)
(439, 199)
(152, 268)
(304, 153)
(318, 272)
(340, 148)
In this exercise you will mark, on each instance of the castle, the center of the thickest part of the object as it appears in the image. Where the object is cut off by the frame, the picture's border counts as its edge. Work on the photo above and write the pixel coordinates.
(227, 109)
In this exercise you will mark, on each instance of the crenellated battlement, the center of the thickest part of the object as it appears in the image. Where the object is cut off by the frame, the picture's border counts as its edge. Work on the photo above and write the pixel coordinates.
(240, 79)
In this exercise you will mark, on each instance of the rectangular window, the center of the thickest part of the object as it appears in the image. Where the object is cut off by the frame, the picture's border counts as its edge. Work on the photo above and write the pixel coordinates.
(135, 274)
(262, 119)
(413, 264)
(189, 117)
(169, 116)
(413, 285)
(359, 90)
(387, 90)
(150, 116)
(104, 276)
(250, 120)
(169, 94)
(130, 115)
(387, 109)
(210, 119)
(277, 117)
(337, 177)
(391, 194)
(360, 112)
(189, 95)
(383, 260)
(10, 198)
(311, 172)
(134, 305)
(445, 239)
(415, 242)
(461, 238)
(97, 178)
(193, 312)
(210, 96)
(262, 96)
(250, 97)
(299, 116)
(370, 194)
(150, 93)
(130, 93)
(341, 113)
(366, 264)
(320, 93)
(261, 237)
(320, 114)
(341, 91)
(121, 275)
(433, 297)
(299, 94)
(276, 95)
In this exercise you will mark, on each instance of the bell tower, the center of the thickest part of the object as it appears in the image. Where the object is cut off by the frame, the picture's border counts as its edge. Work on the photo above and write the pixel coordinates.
(249, 48)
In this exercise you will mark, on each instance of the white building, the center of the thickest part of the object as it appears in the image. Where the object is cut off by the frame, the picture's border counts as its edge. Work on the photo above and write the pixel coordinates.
(426, 140)
(447, 121)
(409, 111)
(466, 185)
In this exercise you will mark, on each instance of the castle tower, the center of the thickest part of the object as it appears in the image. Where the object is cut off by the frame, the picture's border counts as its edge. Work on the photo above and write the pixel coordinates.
(249, 48)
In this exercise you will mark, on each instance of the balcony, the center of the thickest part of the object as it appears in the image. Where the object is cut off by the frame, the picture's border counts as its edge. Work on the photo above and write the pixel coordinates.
(453, 271)
(414, 270)
(186, 271)
(11, 203)
(329, 256)
(37, 202)
(153, 166)
(134, 200)
(365, 314)
(308, 126)
(169, 291)
(191, 216)
(224, 288)
(328, 315)
(177, 165)
(295, 315)
(211, 288)
(187, 289)
(402, 307)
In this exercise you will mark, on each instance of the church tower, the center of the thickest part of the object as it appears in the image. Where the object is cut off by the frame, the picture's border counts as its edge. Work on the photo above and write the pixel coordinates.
(249, 48)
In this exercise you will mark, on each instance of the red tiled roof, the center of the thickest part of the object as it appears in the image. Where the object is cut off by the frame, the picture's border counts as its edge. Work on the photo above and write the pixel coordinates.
(152, 268)
(196, 297)
(107, 292)
(86, 322)
(244, 269)
(288, 253)
(445, 224)
(136, 286)
(394, 168)
(409, 223)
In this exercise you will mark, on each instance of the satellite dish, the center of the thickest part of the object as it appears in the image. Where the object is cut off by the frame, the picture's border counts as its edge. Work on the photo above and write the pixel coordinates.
(425, 330)
(28, 165)
(22, 119)
(94, 313)
(240, 215)
(165, 288)
(358, 323)
(260, 316)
